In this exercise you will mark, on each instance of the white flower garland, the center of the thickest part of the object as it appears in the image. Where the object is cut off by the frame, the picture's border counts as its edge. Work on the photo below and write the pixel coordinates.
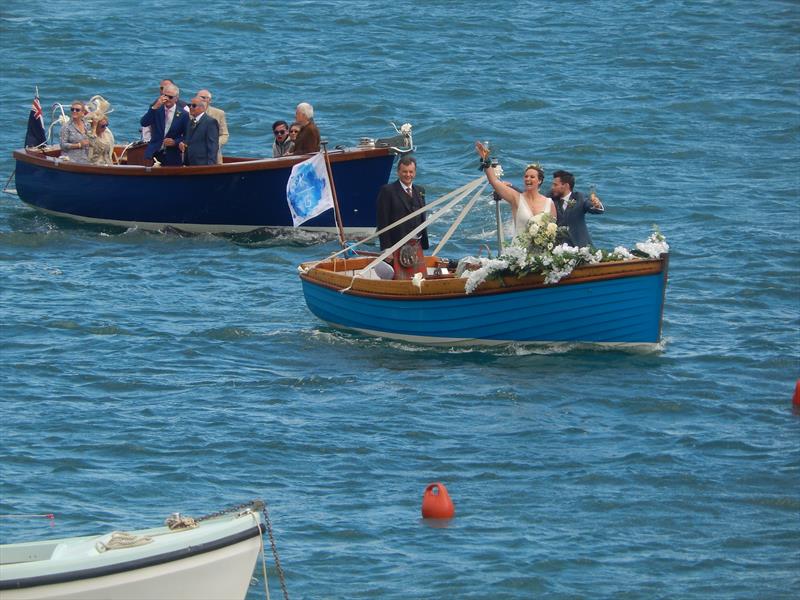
(535, 251)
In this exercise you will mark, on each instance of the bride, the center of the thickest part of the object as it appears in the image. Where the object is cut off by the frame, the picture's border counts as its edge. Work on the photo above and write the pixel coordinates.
(526, 204)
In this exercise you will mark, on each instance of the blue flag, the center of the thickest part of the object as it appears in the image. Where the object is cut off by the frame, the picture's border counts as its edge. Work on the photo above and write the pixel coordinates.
(35, 135)
(308, 190)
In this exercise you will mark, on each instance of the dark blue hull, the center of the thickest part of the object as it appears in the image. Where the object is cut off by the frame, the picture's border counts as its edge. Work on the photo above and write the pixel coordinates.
(238, 196)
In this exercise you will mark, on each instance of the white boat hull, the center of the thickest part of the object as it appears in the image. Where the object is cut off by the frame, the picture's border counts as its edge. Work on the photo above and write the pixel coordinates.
(213, 561)
(218, 575)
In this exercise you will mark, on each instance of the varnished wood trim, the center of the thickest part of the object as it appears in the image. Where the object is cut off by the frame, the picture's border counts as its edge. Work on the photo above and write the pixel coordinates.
(50, 160)
(453, 287)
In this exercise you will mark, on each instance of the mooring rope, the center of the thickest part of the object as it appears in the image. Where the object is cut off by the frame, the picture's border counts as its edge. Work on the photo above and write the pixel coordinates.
(256, 505)
(5, 187)
(278, 568)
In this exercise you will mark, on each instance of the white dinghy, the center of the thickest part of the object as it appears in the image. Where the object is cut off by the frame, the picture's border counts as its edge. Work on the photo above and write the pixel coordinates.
(209, 557)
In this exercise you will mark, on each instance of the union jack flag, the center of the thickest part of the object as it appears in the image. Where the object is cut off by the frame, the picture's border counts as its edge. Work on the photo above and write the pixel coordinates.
(35, 135)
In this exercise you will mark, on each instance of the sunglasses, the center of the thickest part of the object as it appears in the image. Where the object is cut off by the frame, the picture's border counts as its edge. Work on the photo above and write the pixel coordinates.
(103, 126)
(195, 105)
(170, 97)
(295, 131)
(73, 109)
(280, 132)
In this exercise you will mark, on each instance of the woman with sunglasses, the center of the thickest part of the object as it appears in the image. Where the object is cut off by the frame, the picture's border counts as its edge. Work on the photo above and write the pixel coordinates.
(74, 141)
(101, 140)
(294, 129)
(524, 205)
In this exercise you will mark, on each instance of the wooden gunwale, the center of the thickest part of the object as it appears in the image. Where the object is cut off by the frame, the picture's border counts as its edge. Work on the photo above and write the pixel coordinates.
(50, 160)
(452, 287)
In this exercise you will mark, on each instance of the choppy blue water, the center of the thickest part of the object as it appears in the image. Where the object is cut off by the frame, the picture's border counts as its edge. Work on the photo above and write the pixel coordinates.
(147, 373)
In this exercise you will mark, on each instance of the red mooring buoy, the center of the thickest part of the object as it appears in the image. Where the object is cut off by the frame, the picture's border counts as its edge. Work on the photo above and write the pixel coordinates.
(436, 502)
(796, 397)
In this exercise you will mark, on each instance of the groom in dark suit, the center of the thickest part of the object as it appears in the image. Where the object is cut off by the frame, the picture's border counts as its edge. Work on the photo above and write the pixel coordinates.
(398, 199)
(572, 206)
(167, 123)
(201, 144)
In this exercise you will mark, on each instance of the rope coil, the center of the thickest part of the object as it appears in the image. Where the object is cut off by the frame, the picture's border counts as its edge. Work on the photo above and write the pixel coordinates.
(122, 539)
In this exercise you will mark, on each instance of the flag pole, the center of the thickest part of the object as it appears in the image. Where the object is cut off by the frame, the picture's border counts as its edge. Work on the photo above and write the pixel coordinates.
(337, 214)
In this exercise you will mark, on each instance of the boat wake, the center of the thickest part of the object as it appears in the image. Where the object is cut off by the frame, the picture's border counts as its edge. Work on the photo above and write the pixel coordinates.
(353, 338)
(279, 236)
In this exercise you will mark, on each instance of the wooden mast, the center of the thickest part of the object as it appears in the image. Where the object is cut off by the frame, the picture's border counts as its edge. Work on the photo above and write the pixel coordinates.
(337, 214)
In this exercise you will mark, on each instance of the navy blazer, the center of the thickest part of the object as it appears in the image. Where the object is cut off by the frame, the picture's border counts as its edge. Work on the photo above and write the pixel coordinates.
(574, 218)
(202, 141)
(155, 119)
(394, 203)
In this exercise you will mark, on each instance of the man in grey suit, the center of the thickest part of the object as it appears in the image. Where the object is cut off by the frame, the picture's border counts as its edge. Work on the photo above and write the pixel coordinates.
(572, 206)
(201, 143)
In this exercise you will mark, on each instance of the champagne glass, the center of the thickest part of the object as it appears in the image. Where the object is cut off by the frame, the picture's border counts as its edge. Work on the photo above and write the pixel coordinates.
(485, 145)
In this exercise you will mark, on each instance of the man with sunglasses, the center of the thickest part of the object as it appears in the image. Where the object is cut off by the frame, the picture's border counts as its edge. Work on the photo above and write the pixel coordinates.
(168, 124)
(282, 144)
(180, 103)
(201, 144)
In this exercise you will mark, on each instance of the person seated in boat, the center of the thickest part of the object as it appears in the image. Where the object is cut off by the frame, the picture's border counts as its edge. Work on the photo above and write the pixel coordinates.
(294, 129)
(398, 199)
(101, 140)
(572, 207)
(219, 116)
(74, 141)
(526, 204)
(308, 139)
(282, 145)
(201, 143)
(168, 124)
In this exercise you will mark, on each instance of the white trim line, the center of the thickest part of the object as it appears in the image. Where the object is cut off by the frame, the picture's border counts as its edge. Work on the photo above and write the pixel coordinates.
(199, 227)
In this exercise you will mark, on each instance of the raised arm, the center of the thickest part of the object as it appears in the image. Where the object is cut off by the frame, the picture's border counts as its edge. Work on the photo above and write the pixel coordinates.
(503, 190)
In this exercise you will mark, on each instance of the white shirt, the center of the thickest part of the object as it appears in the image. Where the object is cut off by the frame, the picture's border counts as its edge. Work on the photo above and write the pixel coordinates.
(564, 201)
(408, 190)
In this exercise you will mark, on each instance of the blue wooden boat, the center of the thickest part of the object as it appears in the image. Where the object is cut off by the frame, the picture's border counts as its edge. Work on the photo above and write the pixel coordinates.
(618, 303)
(241, 195)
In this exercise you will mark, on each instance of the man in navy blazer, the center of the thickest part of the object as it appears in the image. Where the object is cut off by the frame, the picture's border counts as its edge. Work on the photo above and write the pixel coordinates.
(398, 199)
(167, 124)
(572, 206)
(201, 143)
